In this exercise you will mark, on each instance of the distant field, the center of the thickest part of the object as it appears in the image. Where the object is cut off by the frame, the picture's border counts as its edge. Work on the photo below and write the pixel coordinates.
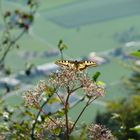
(96, 37)
(92, 11)
(44, 4)
(49, 4)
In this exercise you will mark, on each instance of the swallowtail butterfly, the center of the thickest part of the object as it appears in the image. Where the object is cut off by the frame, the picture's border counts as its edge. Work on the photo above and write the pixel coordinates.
(77, 65)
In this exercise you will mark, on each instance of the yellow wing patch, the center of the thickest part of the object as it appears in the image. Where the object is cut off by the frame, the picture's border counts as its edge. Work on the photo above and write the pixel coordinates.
(77, 65)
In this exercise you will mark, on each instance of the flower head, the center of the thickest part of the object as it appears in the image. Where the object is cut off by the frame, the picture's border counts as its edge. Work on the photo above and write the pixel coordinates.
(34, 96)
(65, 77)
(69, 77)
(99, 132)
(91, 88)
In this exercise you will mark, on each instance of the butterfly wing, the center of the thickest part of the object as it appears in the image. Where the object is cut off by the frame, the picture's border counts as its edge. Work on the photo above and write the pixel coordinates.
(65, 63)
(90, 63)
(77, 65)
(62, 62)
(85, 64)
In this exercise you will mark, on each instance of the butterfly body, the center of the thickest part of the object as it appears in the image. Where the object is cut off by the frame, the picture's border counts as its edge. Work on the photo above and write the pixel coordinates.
(77, 65)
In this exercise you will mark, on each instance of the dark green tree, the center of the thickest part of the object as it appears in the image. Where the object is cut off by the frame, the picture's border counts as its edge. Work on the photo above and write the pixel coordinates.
(122, 116)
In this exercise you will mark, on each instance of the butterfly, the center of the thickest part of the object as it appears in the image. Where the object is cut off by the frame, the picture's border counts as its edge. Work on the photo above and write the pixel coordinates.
(77, 65)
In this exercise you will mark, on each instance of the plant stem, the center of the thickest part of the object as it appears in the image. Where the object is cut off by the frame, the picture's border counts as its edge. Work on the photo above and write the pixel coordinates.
(87, 104)
(38, 114)
(79, 101)
(76, 89)
(12, 42)
(10, 45)
(80, 115)
(34, 124)
(66, 109)
(66, 113)
(61, 53)
(93, 99)
(60, 98)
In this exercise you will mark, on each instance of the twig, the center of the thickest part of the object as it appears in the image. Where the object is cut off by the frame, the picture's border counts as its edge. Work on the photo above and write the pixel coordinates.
(34, 124)
(61, 54)
(87, 104)
(75, 89)
(40, 110)
(80, 115)
(93, 99)
(60, 98)
(38, 114)
(48, 116)
(79, 101)
(66, 112)
(11, 44)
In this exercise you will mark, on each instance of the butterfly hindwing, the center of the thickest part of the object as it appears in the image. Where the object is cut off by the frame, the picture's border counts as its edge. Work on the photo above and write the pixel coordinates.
(77, 65)
(84, 64)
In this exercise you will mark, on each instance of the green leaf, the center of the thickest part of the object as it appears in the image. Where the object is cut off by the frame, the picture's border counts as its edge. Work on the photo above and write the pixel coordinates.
(62, 46)
(96, 76)
(100, 83)
(115, 116)
(53, 100)
(136, 128)
(57, 131)
(50, 91)
(4, 127)
(83, 134)
(136, 54)
(61, 112)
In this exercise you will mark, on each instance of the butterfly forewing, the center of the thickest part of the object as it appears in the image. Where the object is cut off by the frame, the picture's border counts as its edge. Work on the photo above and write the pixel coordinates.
(77, 65)
(62, 63)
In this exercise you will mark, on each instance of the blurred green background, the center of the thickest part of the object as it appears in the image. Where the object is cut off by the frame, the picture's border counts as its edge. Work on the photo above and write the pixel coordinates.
(85, 26)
